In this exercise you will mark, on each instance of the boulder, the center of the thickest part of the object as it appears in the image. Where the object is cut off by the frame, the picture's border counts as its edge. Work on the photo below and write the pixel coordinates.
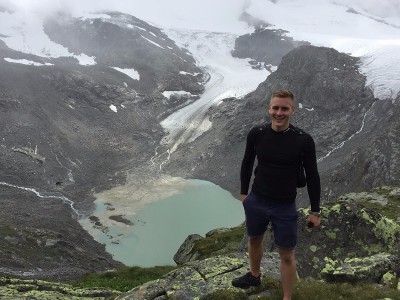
(185, 253)
(367, 269)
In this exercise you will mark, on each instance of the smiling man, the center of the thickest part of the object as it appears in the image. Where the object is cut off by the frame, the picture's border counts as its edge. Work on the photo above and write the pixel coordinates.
(279, 147)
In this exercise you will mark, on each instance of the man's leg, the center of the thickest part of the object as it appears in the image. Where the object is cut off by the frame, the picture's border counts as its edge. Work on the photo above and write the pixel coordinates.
(252, 278)
(288, 272)
(256, 250)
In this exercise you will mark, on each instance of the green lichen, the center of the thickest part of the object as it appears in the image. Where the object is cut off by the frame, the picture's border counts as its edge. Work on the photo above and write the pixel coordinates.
(389, 279)
(336, 208)
(337, 251)
(330, 234)
(313, 248)
(329, 265)
(372, 248)
(315, 261)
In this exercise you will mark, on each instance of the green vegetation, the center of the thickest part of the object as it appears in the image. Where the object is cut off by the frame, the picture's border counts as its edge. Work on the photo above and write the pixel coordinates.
(123, 279)
(7, 230)
(219, 243)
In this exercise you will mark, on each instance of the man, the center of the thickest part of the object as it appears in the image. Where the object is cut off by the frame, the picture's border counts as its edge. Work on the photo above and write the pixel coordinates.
(273, 193)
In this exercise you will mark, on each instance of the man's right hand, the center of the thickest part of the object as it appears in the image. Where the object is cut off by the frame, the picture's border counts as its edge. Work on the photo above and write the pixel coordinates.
(242, 197)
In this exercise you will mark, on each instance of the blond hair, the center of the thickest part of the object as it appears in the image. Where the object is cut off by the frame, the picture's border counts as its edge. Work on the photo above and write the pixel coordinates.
(282, 93)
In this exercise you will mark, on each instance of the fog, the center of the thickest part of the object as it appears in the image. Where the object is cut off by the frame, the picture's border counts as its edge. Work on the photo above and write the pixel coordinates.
(210, 15)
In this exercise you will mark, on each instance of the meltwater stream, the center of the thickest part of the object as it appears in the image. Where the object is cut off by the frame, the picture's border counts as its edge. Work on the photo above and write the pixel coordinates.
(160, 227)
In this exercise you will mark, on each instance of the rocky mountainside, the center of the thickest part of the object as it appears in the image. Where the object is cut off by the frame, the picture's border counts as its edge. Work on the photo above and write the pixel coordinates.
(123, 41)
(334, 106)
(265, 46)
(68, 131)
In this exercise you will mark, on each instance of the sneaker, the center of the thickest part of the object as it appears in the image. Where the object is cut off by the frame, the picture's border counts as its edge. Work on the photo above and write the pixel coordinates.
(246, 281)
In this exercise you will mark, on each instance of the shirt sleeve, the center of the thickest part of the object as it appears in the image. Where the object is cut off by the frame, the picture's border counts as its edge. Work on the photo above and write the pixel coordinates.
(246, 169)
(312, 175)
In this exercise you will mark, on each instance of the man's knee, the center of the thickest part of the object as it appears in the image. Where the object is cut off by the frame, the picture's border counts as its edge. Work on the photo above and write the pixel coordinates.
(256, 241)
(287, 256)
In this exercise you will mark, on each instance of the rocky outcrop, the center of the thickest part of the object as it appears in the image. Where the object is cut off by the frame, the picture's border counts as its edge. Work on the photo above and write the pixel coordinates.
(185, 252)
(265, 46)
(18, 289)
(366, 269)
(200, 278)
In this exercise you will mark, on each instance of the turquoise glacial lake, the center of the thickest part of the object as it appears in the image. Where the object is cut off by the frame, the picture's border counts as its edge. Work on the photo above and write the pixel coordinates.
(159, 228)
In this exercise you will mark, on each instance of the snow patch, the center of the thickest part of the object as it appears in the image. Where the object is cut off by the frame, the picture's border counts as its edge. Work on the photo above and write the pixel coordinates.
(23, 31)
(154, 43)
(168, 94)
(187, 73)
(113, 108)
(26, 62)
(132, 73)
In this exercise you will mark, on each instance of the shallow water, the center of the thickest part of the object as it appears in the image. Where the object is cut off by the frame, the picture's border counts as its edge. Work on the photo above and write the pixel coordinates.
(160, 227)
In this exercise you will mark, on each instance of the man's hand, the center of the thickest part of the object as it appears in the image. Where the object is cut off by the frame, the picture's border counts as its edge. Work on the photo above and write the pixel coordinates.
(242, 197)
(313, 220)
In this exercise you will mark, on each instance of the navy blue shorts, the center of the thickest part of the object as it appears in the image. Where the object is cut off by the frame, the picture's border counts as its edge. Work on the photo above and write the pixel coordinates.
(283, 217)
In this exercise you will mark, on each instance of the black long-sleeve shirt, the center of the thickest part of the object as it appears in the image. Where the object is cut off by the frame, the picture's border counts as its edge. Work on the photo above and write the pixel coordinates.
(278, 155)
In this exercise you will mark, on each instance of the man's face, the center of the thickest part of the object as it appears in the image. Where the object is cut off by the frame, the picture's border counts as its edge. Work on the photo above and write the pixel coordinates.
(280, 111)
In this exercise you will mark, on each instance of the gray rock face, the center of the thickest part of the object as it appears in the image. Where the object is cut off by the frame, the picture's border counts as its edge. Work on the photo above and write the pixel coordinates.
(185, 253)
(265, 46)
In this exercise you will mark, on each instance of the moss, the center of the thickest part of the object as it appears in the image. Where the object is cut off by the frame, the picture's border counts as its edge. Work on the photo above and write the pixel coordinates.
(8, 230)
(217, 243)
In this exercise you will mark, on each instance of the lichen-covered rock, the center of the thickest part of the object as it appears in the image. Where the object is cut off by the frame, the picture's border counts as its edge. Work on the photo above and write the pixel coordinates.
(15, 289)
(367, 269)
(389, 279)
(185, 253)
(348, 230)
(199, 278)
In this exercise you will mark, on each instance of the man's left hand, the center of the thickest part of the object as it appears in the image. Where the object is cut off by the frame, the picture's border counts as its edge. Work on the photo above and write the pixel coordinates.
(314, 220)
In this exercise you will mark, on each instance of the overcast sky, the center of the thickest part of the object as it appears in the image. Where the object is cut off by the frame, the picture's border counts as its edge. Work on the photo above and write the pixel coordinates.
(214, 15)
